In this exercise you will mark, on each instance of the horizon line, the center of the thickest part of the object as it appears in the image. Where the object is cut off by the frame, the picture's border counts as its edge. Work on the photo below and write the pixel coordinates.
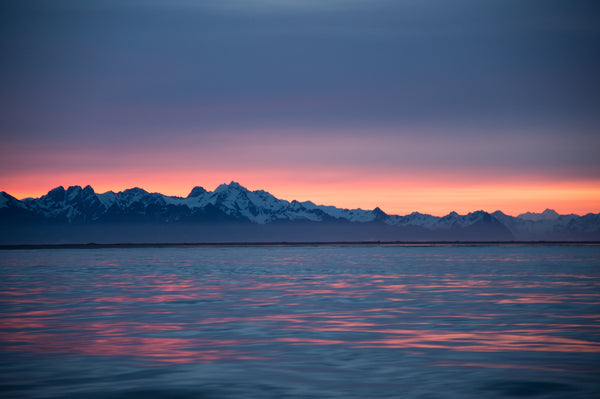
(458, 243)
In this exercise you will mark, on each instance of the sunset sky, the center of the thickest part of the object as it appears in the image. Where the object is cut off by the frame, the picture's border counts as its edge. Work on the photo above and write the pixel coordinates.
(428, 106)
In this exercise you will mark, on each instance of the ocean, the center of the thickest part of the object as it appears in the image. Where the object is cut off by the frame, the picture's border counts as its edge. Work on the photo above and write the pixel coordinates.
(338, 321)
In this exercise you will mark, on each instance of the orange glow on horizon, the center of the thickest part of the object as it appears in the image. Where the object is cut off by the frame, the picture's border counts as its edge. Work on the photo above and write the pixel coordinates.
(394, 195)
(399, 172)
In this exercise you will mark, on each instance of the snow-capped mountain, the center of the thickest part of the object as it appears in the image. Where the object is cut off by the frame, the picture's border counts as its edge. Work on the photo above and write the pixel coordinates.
(230, 201)
(549, 225)
(233, 205)
(548, 214)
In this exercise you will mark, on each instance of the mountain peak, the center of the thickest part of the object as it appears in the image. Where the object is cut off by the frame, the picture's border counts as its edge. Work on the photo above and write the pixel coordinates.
(479, 213)
(548, 214)
(378, 211)
(231, 186)
(59, 189)
(6, 199)
(233, 203)
(196, 192)
(135, 190)
(73, 192)
(379, 214)
(56, 194)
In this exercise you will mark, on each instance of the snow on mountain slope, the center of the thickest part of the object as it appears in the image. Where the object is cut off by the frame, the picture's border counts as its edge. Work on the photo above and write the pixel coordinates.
(233, 202)
(551, 226)
(414, 219)
(351, 215)
(451, 221)
(75, 203)
(548, 214)
(232, 199)
(107, 199)
(7, 200)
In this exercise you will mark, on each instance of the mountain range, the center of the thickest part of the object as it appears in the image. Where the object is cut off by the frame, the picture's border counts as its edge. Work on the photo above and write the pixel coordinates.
(233, 213)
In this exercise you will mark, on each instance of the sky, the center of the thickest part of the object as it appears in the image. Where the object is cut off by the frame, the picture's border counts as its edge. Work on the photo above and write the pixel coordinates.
(431, 105)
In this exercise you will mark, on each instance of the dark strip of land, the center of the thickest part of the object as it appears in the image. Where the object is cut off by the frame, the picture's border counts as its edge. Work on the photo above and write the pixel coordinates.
(296, 244)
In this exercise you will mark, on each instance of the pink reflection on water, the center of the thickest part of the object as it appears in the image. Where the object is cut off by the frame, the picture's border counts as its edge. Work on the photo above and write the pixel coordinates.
(120, 339)
(113, 338)
(151, 299)
(566, 275)
(541, 298)
(482, 341)
(51, 312)
(383, 327)
(22, 291)
(396, 288)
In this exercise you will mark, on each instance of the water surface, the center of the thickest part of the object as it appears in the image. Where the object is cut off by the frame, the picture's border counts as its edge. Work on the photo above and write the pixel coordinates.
(300, 322)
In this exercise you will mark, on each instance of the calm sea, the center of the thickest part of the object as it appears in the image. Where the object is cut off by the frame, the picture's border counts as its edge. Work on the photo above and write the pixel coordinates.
(301, 322)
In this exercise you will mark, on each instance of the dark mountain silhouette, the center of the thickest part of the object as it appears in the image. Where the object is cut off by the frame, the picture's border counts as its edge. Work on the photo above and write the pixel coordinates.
(232, 213)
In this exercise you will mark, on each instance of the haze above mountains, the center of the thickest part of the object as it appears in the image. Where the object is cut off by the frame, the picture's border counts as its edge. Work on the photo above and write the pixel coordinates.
(232, 213)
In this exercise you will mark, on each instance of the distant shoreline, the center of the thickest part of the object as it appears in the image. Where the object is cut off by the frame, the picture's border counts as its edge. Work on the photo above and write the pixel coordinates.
(302, 244)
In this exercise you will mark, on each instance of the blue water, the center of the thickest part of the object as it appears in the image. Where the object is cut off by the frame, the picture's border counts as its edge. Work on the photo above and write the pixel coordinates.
(301, 322)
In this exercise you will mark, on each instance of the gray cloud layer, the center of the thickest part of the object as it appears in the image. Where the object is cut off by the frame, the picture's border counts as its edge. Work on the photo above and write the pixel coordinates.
(74, 70)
